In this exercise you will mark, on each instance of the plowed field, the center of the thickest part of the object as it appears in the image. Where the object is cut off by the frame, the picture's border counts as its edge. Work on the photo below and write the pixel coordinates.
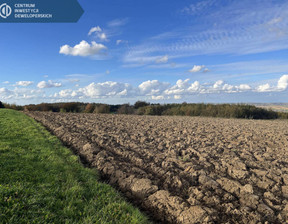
(186, 169)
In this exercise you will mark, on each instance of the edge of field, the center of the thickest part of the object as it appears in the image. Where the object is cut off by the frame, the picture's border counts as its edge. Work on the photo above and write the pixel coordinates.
(41, 181)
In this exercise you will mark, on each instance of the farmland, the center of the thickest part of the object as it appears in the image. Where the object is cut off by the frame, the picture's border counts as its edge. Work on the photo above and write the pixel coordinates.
(185, 169)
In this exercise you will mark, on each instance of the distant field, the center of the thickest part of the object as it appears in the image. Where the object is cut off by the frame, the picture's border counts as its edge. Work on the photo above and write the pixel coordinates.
(274, 107)
(43, 182)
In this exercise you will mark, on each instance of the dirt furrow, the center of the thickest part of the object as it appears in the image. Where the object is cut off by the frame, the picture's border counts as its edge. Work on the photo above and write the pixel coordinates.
(183, 169)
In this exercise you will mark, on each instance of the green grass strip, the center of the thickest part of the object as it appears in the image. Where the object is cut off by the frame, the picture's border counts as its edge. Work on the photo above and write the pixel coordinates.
(41, 181)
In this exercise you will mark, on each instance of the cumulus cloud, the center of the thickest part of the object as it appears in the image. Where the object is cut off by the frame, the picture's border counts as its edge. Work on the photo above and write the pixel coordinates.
(218, 84)
(83, 49)
(228, 88)
(183, 87)
(5, 93)
(109, 88)
(243, 87)
(48, 84)
(196, 68)
(24, 83)
(180, 87)
(152, 87)
(194, 87)
(282, 85)
(283, 82)
(6, 82)
(19, 94)
(94, 29)
(264, 88)
(163, 59)
(157, 97)
(67, 93)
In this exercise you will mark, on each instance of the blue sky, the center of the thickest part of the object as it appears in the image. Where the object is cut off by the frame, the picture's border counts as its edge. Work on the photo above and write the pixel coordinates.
(158, 51)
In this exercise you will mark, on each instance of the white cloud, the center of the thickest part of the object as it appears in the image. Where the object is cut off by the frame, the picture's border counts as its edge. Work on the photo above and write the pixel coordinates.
(180, 87)
(282, 85)
(198, 8)
(67, 93)
(206, 70)
(182, 84)
(5, 93)
(109, 88)
(257, 29)
(117, 22)
(263, 88)
(94, 29)
(183, 87)
(102, 37)
(157, 97)
(196, 68)
(283, 82)
(194, 87)
(243, 87)
(24, 83)
(19, 94)
(6, 82)
(121, 42)
(99, 34)
(123, 93)
(72, 80)
(139, 61)
(152, 87)
(228, 88)
(48, 84)
(163, 59)
(218, 84)
(83, 49)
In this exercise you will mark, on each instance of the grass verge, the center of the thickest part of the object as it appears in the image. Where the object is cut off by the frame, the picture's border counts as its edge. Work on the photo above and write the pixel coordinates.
(41, 181)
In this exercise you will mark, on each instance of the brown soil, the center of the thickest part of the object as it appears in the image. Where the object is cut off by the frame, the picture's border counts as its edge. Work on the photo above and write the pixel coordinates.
(186, 169)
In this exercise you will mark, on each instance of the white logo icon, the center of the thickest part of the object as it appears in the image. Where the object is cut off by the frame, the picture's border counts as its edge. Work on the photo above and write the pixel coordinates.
(5, 10)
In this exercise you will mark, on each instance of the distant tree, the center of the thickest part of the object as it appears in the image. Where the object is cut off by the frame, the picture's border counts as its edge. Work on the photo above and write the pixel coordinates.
(12, 106)
(125, 109)
(149, 110)
(89, 108)
(45, 107)
(139, 104)
(102, 109)
(62, 110)
(71, 107)
(1, 105)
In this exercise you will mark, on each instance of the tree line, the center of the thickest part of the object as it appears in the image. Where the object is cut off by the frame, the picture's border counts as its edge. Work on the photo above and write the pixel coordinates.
(144, 108)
